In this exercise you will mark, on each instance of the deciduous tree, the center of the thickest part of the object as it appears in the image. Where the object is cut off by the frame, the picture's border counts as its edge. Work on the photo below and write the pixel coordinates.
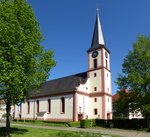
(136, 74)
(24, 64)
(121, 105)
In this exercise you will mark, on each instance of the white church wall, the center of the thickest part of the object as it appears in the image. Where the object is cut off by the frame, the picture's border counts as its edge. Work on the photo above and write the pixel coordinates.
(84, 106)
(95, 81)
(80, 103)
(42, 104)
(96, 105)
(107, 78)
(16, 114)
(32, 111)
(84, 87)
(56, 110)
(17, 111)
(87, 107)
(43, 107)
(108, 104)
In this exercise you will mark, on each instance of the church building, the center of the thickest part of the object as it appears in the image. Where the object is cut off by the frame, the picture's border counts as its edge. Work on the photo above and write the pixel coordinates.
(86, 95)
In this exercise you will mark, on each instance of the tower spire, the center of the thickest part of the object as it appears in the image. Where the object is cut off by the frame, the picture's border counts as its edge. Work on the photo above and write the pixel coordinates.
(98, 39)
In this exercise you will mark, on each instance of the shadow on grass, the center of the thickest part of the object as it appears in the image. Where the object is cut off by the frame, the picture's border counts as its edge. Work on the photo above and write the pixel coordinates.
(148, 130)
(14, 131)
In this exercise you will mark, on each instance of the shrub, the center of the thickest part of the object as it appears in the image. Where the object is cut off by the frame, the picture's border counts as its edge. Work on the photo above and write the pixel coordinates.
(122, 123)
(87, 123)
(4, 115)
(74, 124)
(115, 123)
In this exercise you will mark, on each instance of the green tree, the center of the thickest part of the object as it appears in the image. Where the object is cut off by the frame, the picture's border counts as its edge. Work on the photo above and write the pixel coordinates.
(121, 105)
(24, 64)
(136, 73)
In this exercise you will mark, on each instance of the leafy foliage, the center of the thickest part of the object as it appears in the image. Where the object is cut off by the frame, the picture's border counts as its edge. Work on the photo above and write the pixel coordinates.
(136, 67)
(121, 106)
(24, 63)
(136, 75)
(146, 110)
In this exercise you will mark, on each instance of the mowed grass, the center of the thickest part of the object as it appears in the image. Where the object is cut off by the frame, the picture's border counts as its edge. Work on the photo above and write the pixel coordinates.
(37, 132)
(29, 132)
(47, 123)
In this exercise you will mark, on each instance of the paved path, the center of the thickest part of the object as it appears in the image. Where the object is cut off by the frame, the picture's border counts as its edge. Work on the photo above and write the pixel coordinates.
(120, 132)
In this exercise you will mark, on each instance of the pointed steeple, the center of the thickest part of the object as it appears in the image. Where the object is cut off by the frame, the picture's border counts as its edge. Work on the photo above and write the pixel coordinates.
(98, 39)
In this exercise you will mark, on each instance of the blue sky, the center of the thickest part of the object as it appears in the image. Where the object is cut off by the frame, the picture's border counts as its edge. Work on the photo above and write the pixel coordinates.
(67, 26)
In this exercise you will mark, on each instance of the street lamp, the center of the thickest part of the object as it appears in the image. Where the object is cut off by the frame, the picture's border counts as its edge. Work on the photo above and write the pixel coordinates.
(24, 108)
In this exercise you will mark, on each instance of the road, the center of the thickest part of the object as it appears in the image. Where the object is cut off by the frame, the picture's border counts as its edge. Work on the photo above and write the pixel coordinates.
(113, 131)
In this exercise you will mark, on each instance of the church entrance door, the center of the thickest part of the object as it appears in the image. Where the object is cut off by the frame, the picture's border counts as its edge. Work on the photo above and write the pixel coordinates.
(80, 117)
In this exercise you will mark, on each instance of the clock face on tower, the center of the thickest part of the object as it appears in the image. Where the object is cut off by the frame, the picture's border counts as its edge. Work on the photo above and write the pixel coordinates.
(95, 54)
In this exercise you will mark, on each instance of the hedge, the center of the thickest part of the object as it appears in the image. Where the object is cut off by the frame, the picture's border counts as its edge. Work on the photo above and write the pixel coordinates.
(87, 123)
(116, 123)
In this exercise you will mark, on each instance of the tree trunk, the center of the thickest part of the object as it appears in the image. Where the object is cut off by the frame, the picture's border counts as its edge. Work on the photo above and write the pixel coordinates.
(8, 105)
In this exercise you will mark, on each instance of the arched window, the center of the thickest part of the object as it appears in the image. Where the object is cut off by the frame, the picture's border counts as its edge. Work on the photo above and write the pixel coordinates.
(95, 63)
(106, 64)
(49, 105)
(62, 105)
(37, 106)
(28, 107)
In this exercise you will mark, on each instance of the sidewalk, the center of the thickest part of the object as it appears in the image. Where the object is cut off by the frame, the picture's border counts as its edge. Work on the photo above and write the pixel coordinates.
(120, 132)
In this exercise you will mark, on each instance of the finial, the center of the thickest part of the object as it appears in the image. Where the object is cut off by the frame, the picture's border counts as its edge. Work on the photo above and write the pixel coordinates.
(97, 9)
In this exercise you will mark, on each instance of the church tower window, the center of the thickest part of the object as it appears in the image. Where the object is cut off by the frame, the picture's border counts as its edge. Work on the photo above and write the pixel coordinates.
(95, 111)
(106, 64)
(95, 88)
(95, 63)
(95, 99)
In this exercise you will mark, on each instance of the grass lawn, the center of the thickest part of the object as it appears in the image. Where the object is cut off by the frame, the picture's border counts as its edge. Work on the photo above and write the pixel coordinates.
(47, 123)
(35, 132)
(29, 132)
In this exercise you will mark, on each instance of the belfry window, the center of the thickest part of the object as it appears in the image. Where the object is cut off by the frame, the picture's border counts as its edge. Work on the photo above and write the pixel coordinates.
(106, 64)
(95, 63)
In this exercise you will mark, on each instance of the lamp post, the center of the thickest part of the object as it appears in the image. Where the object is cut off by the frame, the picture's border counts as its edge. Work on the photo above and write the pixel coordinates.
(24, 108)
(80, 110)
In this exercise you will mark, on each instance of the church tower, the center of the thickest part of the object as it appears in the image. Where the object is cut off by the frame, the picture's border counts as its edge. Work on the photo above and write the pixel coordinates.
(99, 74)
